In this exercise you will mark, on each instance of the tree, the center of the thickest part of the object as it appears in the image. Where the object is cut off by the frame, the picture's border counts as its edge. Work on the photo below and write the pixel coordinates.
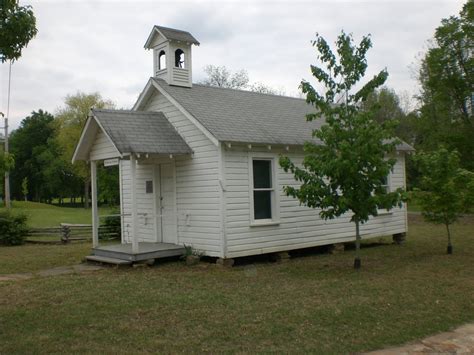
(18, 27)
(70, 120)
(265, 89)
(446, 190)
(28, 143)
(59, 179)
(24, 188)
(345, 166)
(447, 88)
(389, 107)
(220, 76)
(108, 185)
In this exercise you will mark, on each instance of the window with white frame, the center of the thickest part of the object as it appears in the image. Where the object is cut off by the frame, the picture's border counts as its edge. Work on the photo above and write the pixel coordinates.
(385, 184)
(263, 189)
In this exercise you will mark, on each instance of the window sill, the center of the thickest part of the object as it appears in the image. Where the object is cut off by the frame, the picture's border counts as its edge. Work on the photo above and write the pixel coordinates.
(384, 213)
(264, 223)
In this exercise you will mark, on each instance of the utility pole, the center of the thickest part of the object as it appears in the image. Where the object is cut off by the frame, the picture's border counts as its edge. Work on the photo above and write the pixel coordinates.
(7, 173)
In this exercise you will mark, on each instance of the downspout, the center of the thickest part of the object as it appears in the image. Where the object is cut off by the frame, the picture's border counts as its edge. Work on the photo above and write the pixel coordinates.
(222, 184)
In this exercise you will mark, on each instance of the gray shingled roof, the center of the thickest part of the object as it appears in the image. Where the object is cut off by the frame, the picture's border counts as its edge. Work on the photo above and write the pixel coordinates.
(248, 117)
(244, 116)
(177, 35)
(141, 132)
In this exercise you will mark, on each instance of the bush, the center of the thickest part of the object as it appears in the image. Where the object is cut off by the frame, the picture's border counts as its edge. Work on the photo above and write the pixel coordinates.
(13, 230)
(113, 225)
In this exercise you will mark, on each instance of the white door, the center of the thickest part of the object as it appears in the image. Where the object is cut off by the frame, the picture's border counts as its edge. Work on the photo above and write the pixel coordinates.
(167, 225)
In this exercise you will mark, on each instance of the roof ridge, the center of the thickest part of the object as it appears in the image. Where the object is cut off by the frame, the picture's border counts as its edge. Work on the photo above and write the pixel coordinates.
(125, 111)
(172, 29)
(239, 90)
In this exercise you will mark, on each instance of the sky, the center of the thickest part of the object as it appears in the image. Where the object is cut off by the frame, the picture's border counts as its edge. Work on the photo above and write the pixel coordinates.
(97, 46)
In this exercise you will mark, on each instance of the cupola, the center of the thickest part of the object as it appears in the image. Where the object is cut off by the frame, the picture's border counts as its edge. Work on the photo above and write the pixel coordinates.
(172, 60)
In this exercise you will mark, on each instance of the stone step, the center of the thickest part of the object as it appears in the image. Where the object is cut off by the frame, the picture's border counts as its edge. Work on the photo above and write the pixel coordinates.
(106, 260)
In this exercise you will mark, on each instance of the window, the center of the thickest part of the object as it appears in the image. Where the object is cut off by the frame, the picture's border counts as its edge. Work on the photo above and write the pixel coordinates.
(385, 185)
(179, 58)
(263, 189)
(149, 187)
(162, 60)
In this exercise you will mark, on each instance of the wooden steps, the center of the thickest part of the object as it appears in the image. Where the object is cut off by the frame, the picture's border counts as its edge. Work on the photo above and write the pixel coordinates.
(107, 260)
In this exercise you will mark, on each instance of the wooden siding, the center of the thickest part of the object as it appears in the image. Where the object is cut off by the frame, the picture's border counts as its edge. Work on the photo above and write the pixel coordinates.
(102, 148)
(299, 226)
(146, 210)
(197, 184)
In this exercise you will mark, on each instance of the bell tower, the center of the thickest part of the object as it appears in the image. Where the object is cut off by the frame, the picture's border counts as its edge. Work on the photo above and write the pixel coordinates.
(172, 59)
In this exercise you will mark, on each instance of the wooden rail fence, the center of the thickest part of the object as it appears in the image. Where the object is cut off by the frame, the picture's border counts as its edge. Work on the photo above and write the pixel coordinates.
(67, 232)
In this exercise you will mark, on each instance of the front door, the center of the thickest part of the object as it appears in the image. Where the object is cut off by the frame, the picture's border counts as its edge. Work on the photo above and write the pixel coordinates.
(166, 220)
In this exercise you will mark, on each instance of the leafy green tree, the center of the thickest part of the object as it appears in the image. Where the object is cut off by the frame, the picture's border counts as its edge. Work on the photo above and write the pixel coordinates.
(58, 176)
(446, 190)
(17, 28)
(447, 82)
(70, 121)
(345, 166)
(389, 107)
(28, 143)
(108, 185)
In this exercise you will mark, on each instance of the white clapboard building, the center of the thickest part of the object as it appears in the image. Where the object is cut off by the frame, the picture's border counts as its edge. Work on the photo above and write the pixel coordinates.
(199, 167)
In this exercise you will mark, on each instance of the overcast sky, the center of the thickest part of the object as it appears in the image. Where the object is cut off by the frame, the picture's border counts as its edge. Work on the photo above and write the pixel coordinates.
(94, 46)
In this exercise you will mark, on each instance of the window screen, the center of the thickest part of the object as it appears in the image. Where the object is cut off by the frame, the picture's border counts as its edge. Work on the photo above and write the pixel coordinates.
(262, 189)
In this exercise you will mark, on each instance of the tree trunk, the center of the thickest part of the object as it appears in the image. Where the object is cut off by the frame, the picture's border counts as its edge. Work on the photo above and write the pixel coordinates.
(86, 193)
(357, 252)
(450, 246)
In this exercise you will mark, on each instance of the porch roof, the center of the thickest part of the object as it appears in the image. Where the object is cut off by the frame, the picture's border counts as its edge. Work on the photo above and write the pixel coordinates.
(132, 132)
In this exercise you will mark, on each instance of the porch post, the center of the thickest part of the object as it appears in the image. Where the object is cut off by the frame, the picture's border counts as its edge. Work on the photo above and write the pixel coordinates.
(133, 168)
(95, 214)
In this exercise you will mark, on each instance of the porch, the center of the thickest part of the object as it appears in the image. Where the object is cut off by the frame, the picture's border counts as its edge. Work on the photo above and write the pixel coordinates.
(125, 253)
(144, 145)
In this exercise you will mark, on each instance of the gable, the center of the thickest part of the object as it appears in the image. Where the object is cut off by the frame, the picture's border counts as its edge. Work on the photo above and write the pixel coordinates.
(94, 142)
(114, 133)
(151, 91)
(159, 34)
(103, 148)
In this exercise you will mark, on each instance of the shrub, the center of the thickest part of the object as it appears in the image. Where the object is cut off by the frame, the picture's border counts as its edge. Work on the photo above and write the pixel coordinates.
(13, 230)
(190, 251)
(113, 225)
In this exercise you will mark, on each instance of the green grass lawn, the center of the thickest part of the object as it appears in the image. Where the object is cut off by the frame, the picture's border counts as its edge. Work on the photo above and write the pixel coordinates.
(37, 257)
(42, 215)
(316, 303)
